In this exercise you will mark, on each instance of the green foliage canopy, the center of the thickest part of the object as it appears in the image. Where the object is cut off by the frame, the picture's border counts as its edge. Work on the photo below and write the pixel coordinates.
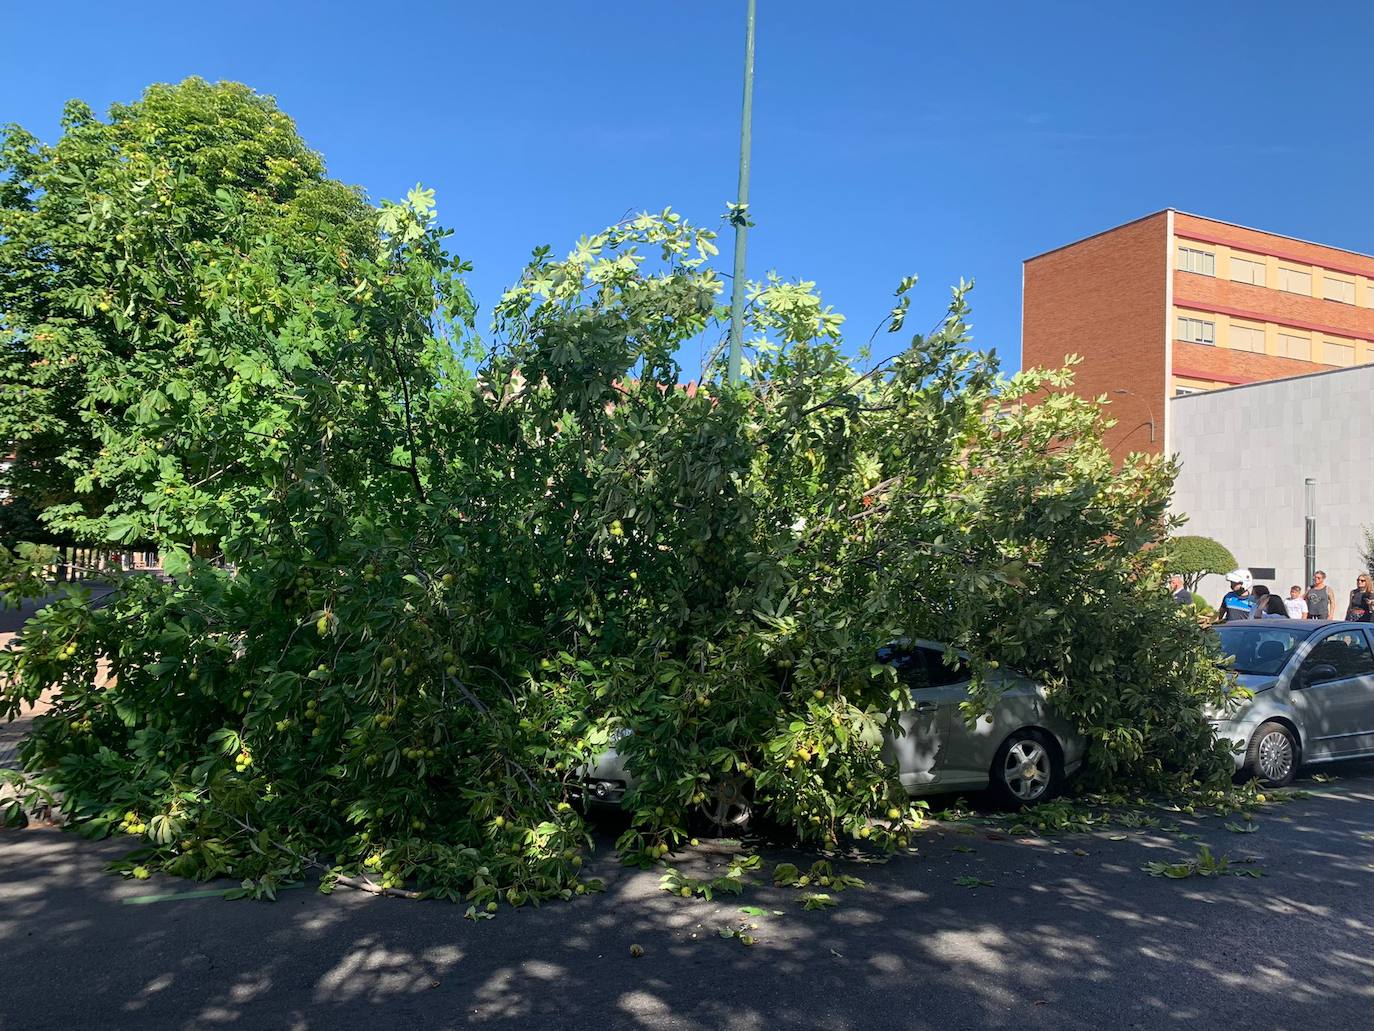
(1195, 557)
(452, 571)
(151, 267)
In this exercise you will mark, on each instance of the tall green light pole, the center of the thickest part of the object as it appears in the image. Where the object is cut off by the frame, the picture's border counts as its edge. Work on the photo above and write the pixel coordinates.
(740, 215)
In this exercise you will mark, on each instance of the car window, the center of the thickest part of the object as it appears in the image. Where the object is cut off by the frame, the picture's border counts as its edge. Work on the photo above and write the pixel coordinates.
(909, 663)
(1259, 651)
(941, 673)
(922, 667)
(1347, 651)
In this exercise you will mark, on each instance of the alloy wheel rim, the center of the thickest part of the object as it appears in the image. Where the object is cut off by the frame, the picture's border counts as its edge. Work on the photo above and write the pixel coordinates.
(1275, 755)
(727, 803)
(1026, 771)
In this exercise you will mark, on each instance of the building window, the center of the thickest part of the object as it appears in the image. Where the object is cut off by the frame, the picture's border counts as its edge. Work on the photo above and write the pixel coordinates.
(1338, 290)
(1190, 259)
(1247, 338)
(1335, 353)
(1244, 270)
(1197, 331)
(1291, 346)
(1295, 282)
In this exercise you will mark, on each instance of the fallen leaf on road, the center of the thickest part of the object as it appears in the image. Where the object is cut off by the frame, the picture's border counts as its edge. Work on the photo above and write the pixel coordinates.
(1116, 837)
(1173, 870)
(636, 951)
(1080, 852)
(1241, 828)
(963, 848)
(972, 882)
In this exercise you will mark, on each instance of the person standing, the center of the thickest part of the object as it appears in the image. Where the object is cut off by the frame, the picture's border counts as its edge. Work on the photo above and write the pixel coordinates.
(1321, 599)
(1361, 608)
(1182, 595)
(1259, 600)
(1294, 604)
(1237, 604)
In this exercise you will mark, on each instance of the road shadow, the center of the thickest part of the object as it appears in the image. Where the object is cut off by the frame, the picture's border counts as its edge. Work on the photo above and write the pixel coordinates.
(977, 928)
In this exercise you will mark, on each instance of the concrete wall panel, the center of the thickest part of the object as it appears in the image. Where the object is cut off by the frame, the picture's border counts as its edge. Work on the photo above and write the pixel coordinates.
(1245, 453)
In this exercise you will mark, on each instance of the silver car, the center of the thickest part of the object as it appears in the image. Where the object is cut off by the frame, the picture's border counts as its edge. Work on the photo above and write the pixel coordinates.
(1313, 687)
(1022, 750)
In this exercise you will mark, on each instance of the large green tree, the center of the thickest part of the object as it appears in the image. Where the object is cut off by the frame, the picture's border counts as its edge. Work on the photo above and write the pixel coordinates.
(149, 265)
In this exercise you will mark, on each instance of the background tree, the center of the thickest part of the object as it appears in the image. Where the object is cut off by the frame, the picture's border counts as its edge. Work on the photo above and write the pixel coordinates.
(1195, 557)
(147, 264)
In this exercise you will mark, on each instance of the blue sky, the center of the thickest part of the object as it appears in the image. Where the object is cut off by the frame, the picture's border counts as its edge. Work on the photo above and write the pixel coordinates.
(943, 139)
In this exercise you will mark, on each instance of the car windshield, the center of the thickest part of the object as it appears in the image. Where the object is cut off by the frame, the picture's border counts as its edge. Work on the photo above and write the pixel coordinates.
(1259, 650)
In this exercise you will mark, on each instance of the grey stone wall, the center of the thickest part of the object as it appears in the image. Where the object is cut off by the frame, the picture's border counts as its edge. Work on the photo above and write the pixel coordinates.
(1245, 452)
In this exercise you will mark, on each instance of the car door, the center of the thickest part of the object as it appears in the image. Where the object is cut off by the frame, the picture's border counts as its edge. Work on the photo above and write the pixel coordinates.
(1333, 695)
(935, 692)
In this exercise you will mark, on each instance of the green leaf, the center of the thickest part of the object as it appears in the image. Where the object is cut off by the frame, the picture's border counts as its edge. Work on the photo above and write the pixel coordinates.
(175, 561)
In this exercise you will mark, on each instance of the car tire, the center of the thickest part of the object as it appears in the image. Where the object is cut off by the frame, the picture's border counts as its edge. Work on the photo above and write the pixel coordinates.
(728, 809)
(1028, 769)
(1273, 756)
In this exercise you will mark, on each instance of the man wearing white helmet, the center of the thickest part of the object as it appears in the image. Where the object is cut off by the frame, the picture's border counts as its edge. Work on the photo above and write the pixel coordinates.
(1238, 603)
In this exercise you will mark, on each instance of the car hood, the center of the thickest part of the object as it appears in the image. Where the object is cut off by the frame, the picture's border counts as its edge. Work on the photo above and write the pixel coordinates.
(1255, 683)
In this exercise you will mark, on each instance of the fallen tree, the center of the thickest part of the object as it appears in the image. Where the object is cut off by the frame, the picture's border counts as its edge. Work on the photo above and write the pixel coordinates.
(419, 580)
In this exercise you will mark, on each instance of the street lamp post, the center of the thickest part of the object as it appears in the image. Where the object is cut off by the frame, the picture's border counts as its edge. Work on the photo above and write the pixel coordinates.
(740, 214)
(1309, 551)
(1148, 408)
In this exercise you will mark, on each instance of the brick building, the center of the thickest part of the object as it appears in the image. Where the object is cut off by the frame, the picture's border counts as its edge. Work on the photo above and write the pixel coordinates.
(1174, 304)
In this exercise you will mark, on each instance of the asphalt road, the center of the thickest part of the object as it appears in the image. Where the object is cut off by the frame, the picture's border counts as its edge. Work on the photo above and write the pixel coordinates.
(1057, 939)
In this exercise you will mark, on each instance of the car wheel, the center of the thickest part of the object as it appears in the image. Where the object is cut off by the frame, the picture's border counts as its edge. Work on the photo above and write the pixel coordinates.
(728, 807)
(1272, 758)
(1027, 769)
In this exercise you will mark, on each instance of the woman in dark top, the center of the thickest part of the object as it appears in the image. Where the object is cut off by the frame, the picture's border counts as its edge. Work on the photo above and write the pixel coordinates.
(1274, 607)
(1361, 608)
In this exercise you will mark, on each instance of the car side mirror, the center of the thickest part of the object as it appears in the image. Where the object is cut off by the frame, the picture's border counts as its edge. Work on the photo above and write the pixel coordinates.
(1318, 673)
